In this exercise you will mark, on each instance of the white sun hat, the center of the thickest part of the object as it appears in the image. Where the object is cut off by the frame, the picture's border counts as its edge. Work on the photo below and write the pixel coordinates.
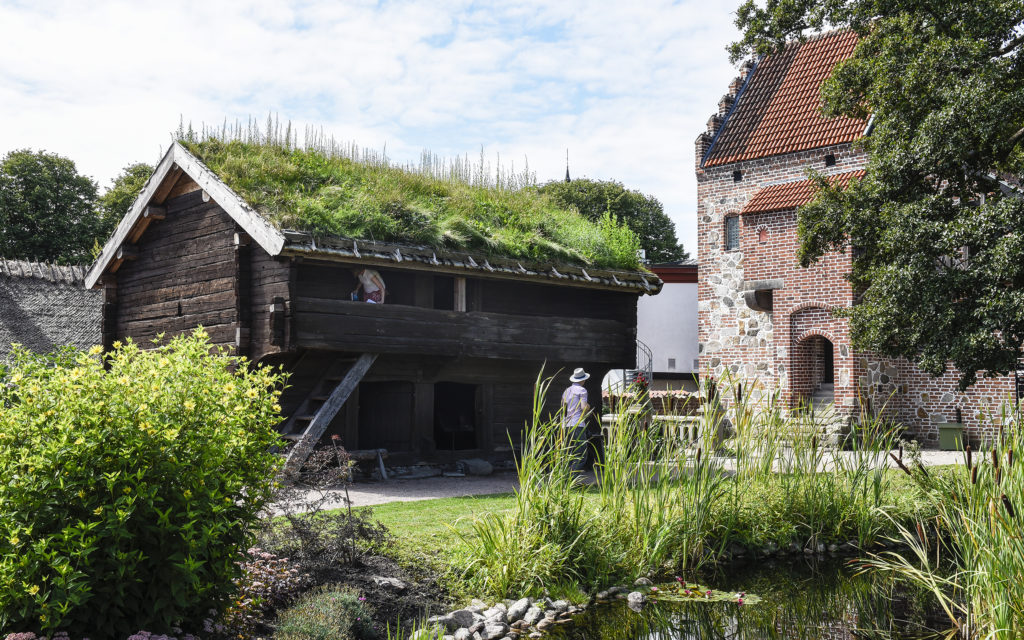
(579, 375)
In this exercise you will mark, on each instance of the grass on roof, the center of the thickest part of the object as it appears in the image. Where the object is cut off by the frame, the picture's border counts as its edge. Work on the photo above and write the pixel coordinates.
(329, 195)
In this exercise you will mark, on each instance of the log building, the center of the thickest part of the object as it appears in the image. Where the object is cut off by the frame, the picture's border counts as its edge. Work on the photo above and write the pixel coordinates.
(443, 370)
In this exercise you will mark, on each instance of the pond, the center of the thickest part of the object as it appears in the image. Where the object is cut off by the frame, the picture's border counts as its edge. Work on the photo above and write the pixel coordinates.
(806, 600)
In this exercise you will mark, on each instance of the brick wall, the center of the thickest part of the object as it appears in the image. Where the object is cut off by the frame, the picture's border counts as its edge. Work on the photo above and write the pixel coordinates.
(783, 347)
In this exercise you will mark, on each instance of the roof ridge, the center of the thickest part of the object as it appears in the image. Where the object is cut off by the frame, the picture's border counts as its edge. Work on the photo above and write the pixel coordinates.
(47, 271)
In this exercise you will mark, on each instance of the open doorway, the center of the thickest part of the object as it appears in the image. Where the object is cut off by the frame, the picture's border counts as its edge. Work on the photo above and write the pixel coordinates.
(455, 416)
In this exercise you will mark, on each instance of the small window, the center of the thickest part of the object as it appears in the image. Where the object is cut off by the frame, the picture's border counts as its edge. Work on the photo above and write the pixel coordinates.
(830, 160)
(762, 235)
(672, 363)
(732, 233)
(737, 176)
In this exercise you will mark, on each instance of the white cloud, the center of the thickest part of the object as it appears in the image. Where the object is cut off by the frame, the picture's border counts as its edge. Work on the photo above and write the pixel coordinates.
(626, 87)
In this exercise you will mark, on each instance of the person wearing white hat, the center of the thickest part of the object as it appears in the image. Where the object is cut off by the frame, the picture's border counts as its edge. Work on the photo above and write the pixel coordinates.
(574, 402)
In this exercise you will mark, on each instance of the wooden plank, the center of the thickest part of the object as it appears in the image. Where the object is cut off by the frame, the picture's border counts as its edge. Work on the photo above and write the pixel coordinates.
(300, 452)
(460, 294)
(127, 252)
(154, 212)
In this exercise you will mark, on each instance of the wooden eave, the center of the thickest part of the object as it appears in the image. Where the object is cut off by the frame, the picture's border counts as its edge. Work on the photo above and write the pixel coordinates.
(178, 160)
(420, 258)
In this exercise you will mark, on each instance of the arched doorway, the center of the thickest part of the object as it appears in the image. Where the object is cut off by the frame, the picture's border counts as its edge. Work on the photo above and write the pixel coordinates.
(814, 371)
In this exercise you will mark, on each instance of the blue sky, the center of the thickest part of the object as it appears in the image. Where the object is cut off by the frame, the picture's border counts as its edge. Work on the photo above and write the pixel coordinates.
(625, 87)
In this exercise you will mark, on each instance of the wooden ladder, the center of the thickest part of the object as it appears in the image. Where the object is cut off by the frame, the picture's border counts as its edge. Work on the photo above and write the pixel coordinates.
(309, 422)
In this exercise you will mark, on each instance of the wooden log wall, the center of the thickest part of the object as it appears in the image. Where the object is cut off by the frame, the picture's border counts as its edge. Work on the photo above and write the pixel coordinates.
(184, 275)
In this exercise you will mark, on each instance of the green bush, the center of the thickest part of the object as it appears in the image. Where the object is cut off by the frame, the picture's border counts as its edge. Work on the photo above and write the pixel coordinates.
(331, 614)
(132, 484)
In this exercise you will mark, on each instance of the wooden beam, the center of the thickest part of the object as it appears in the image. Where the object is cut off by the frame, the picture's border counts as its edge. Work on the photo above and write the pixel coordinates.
(460, 293)
(300, 452)
(153, 212)
(127, 252)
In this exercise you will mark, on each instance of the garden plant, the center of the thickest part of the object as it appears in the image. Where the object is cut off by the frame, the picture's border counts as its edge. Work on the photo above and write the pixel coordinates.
(133, 485)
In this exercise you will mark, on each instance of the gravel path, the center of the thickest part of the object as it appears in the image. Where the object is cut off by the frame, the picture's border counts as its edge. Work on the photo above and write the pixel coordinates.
(371, 493)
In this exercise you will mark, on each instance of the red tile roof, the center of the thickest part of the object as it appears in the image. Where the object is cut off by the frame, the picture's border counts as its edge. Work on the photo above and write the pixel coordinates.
(779, 110)
(790, 195)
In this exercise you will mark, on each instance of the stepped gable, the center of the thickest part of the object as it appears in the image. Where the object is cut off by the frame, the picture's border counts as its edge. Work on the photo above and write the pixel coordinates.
(778, 108)
(790, 195)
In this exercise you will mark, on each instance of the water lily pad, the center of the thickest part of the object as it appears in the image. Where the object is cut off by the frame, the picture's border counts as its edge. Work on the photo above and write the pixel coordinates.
(690, 592)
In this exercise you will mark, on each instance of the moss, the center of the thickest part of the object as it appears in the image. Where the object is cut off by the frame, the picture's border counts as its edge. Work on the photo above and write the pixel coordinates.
(334, 196)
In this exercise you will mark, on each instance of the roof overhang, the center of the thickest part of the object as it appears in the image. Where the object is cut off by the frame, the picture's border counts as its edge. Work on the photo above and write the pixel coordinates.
(147, 207)
(308, 246)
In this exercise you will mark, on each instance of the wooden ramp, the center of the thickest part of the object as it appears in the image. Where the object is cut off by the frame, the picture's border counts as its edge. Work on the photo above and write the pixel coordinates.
(309, 422)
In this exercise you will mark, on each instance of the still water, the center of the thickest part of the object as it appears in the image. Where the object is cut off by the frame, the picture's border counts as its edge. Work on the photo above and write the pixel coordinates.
(803, 600)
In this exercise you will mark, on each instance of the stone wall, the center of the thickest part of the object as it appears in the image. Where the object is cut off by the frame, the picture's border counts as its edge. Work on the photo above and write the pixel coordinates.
(778, 347)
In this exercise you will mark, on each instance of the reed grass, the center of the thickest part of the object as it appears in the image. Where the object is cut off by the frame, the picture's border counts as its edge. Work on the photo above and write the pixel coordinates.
(978, 528)
(664, 505)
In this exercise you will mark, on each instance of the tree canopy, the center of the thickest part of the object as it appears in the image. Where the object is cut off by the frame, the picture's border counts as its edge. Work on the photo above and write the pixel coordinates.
(114, 204)
(642, 213)
(937, 224)
(47, 209)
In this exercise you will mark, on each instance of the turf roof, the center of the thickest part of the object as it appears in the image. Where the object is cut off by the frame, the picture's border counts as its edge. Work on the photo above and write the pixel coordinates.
(335, 196)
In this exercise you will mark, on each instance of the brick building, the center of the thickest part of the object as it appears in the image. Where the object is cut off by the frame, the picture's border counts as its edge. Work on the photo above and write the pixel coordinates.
(759, 313)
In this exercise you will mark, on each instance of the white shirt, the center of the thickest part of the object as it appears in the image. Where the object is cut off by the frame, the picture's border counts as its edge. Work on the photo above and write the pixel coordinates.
(366, 278)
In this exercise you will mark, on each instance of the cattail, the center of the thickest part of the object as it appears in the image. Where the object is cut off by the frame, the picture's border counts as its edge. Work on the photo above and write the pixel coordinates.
(974, 474)
(920, 533)
(1009, 506)
(1009, 458)
(999, 476)
(995, 457)
(814, 442)
(901, 452)
(968, 456)
(698, 456)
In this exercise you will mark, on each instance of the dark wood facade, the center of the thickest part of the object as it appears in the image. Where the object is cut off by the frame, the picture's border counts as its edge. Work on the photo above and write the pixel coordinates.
(456, 355)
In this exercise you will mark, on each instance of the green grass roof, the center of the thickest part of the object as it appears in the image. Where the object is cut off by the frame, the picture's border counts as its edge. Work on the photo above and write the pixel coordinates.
(335, 196)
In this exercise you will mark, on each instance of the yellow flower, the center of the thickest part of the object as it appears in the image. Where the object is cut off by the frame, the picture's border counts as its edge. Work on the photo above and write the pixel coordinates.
(96, 350)
(123, 380)
(80, 441)
(127, 490)
(81, 493)
(251, 393)
(15, 540)
(276, 408)
(33, 590)
(187, 494)
(164, 362)
(97, 511)
(189, 405)
(16, 378)
(117, 344)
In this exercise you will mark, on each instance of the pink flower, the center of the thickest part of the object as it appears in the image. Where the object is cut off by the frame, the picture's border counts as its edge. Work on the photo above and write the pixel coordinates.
(362, 599)
(707, 593)
(686, 592)
(654, 588)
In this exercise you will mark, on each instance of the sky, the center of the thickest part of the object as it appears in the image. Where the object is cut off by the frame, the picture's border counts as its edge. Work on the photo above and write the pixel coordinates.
(624, 87)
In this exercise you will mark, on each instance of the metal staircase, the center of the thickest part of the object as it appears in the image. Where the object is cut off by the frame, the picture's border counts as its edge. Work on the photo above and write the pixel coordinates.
(316, 411)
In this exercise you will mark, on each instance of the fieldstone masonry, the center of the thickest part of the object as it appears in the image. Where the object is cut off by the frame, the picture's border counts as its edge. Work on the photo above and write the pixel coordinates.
(761, 315)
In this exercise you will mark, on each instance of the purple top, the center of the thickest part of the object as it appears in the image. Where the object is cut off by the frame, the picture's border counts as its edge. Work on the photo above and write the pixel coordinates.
(574, 398)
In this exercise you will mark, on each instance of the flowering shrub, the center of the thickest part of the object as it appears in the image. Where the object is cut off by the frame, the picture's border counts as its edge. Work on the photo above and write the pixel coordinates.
(132, 484)
(331, 614)
(267, 584)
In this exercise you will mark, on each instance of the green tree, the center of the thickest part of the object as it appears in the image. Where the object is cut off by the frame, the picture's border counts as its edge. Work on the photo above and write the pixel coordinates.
(641, 213)
(936, 226)
(47, 209)
(116, 201)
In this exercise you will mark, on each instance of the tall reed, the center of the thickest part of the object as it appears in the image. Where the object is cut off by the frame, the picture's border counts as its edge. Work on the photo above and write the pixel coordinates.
(979, 526)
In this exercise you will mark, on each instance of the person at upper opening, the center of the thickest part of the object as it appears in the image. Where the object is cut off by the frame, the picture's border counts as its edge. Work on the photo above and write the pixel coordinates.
(574, 401)
(372, 285)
